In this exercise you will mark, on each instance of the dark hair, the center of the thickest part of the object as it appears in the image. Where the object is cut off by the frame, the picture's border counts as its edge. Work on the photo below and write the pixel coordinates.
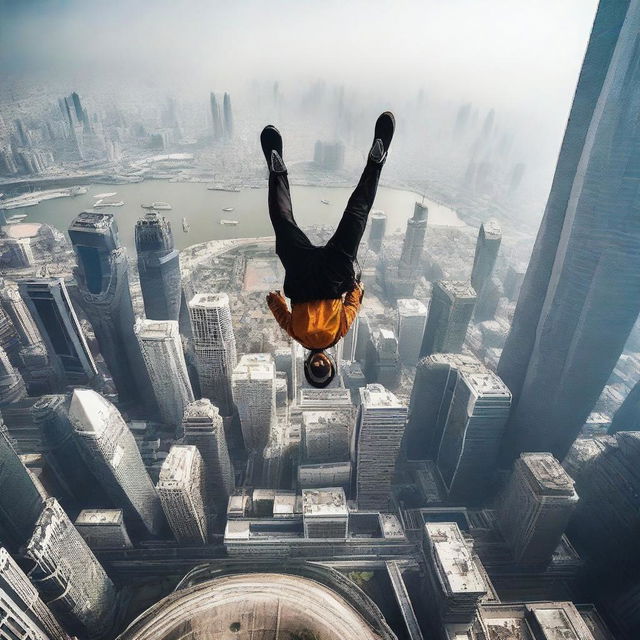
(319, 369)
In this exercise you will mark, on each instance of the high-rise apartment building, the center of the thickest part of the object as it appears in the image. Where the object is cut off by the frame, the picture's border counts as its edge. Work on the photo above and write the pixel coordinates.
(579, 299)
(158, 267)
(413, 245)
(379, 430)
(377, 228)
(163, 356)
(111, 451)
(67, 574)
(450, 311)
(412, 317)
(254, 393)
(535, 508)
(182, 493)
(214, 345)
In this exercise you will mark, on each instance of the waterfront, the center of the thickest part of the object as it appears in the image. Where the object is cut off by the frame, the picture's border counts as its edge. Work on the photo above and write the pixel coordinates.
(203, 209)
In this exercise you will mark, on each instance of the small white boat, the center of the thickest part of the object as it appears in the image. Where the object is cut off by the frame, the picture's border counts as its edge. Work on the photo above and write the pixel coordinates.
(162, 206)
(101, 196)
(229, 222)
(227, 209)
(324, 201)
(16, 217)
(102, 203)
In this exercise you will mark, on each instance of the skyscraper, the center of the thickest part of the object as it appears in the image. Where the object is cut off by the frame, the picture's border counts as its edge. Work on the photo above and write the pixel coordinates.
(487, 246)
(433, 386)
(203, 428)
(20, 500)
(413, 244)
(24, 614)
(182, 493)
(377, 228)
(51, 308)
(472, 435)
(15, 307)
(535, 508)
(162, 352)
(580, 297)
(379, 430)
(254, 393)
(627, 417)
(158, 267)
(450, 311)
(112, 452)
(12, 386)
(383, 361)
(68, 575)
(216, 120)
(214, 346)
(103, 284)
(412, 317)
(228, 115)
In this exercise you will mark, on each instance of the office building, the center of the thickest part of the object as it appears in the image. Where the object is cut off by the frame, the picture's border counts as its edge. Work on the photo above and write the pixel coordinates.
(158, 267)
(20, 499)
(215, 347)
(203, 428)
(324, 399)
(377, 229)
(380, 427)
(20, 316)
(182, 493)
(9, 338)
(472, 435)
(228, 115)
(455, 583)
(326, 436)
(383, 361)
(216, 119)
(579, 301)
(254, 393)
(23, 614)
(12, 387)
(350, 341)
(433, 386)
(111, 450)
(325, 513)
(412, 317)
(103, 284)
(18, 252)
(51, 308)
(68, 575)
(163, 356)
(325, 474)
(450, 311)
(535, 509)
(484, 260)
(513, 279)
(103, 529)
(413, 245)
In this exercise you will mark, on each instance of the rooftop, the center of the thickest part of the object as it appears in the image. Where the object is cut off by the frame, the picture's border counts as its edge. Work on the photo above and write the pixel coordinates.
(156, 329)
(88, 517)
(411, 307)
(209, 300)
(178, 465)
(90, 412)
(457, 289)
(375, 396)
(92, 220)
(324, 502)
(547, 473)
(486, 383)
(492, 229)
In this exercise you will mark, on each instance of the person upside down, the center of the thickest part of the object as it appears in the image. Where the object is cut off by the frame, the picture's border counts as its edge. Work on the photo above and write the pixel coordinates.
(320, 281)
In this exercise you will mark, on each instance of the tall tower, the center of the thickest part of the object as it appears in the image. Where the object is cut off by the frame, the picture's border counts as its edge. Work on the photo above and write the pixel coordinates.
(51, 308)
(379, 431)
(103, 283)
(254, 393)
(472, 435)
(487, 246)
(181, 488)
(214, 346)
(228, 115)
(68, 575)
(24, 614)
(112, 452)
(536, 507)
(216, 120)
(12, 386)
(580, 299)
(413, 244)
(450, 311)
(158, 267)
(20, 500)
(412, 317)
(377, 228)
(203, 428)
(162, 352)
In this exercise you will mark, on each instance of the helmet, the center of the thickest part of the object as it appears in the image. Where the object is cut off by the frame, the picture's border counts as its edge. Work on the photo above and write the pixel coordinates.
(319, 369)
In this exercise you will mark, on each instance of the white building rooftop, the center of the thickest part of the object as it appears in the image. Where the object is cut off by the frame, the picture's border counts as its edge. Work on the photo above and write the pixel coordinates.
(324, 502)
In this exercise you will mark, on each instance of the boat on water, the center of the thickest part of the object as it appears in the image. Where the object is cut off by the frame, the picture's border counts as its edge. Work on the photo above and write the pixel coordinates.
(324, 201)
(102, 196)
(227, 209)
(102, 203)
(229, 222)
(17, 217)
(223, 188)
(186, 227)
(162, 206)
(78, 191)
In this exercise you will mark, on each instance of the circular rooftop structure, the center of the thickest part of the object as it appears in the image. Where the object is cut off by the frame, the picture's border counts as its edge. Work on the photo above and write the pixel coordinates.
(271, 606)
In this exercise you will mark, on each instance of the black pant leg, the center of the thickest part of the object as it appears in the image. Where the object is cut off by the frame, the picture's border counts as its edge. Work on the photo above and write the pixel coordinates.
(347, 236)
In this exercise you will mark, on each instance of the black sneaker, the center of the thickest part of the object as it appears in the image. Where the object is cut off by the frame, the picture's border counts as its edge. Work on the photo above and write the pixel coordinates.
(271, 142)
(383, 134)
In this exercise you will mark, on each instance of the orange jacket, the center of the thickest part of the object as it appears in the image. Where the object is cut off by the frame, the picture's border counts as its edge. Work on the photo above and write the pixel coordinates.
(318, 324)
